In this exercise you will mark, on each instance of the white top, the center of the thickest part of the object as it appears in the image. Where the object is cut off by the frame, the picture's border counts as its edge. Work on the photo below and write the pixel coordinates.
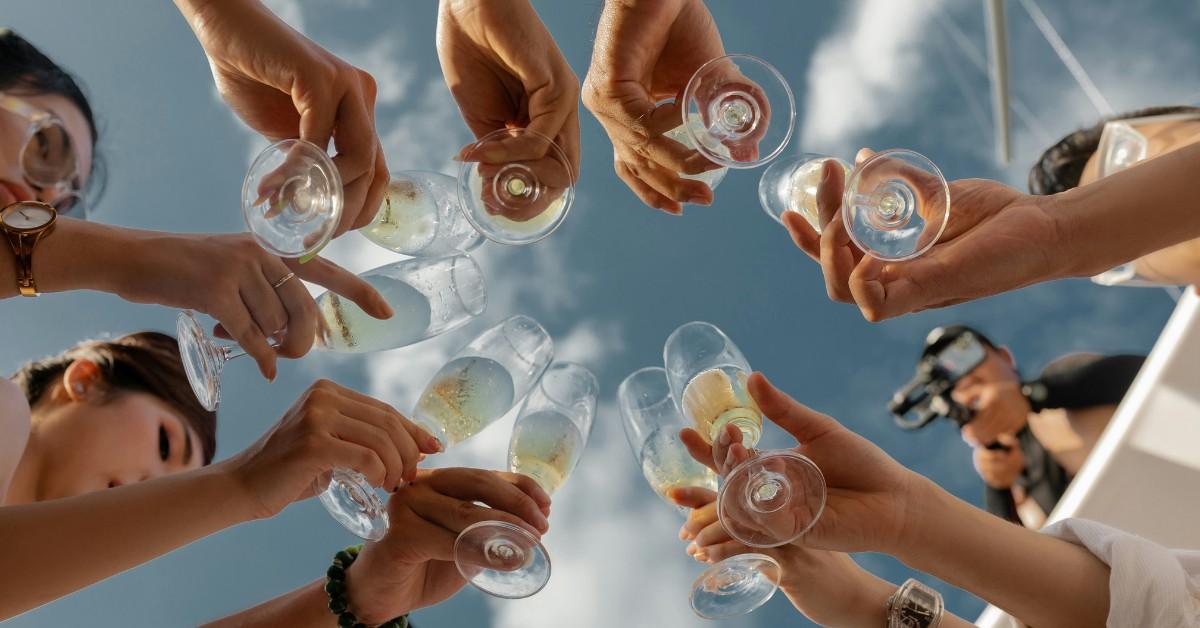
(1150, 585)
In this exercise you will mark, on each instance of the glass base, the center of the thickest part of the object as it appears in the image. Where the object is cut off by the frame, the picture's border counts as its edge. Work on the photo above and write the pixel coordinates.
(896, 205)
(202, 360)
(292, 198)
(735, 586)
(502, 559)
(353, 502)
(771, 499)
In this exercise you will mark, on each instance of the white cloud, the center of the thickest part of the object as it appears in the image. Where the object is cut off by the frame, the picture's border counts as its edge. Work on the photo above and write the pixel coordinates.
(866, 72)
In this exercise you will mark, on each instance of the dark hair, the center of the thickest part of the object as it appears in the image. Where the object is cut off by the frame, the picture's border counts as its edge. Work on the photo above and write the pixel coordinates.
(1061, 166)
(23, 67)
(939, 337)
(146, 362)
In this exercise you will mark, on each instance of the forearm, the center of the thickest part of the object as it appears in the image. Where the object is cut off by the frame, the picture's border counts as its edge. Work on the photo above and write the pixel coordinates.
(78, 255)
(1041, 580)
(306, 607)
(1129, 214)
(53, 548)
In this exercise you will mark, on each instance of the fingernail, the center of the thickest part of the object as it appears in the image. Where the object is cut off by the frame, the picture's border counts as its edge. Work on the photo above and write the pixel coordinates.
(702, 557)
(723, 437)
(683, 534)
(692, 548)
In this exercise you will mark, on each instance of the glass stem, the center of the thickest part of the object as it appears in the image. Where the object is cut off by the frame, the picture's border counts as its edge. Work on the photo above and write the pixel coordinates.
(230, 352)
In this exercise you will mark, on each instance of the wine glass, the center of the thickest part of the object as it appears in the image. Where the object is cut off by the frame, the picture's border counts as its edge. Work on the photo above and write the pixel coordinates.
(547, 441)
(429, 297)
(514, 186)
(292, 198)
(895, 207)
(735, 586)
(772, 498)
(421, 216)
(738, 111)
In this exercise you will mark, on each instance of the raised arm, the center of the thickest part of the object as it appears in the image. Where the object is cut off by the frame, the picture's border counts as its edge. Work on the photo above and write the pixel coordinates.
(413, 566)
(60, 546)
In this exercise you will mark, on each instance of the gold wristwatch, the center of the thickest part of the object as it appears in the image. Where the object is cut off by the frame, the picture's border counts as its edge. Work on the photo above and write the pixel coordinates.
(25, 223)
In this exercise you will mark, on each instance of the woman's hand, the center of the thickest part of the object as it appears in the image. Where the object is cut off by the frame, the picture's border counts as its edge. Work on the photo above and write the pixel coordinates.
(283, 85)
(504, 69)
(645, 52)
(413, 566)
(329, 426)
(232, 279)
(868, 493)
(997, 239)
(829, 588)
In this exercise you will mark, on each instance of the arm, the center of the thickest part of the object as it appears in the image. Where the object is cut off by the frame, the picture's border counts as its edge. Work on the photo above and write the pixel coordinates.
(413, 566)
(1042, 580)
(64, 545)
(999, 239)
(60, 546)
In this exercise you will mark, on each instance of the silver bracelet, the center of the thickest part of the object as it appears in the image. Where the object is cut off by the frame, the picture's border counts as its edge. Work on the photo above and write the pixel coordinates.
(914, 605)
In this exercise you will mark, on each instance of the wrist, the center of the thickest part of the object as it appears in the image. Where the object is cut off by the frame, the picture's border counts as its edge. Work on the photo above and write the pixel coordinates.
(871, 600)
(374, 597)
(925, 506)
(245, 499)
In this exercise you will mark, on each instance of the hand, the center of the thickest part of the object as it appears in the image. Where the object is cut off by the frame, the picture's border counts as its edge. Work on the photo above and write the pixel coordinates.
(505, 70)
(997, 239)
(828, 588)
(329, 426)
(999, 468)
(868, 493)
(646, 52)
(283, 85)
(413, 566)
(231, 278)
(999, 406)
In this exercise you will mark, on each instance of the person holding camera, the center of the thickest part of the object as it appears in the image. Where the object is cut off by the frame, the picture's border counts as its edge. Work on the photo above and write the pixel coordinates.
(1030, 438)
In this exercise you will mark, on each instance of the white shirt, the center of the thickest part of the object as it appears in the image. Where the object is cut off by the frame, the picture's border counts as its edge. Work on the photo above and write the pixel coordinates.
(1149, 584)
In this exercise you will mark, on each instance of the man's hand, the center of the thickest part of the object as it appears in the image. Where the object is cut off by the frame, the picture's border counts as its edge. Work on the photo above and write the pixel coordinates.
(1000, 468)
(646, 51)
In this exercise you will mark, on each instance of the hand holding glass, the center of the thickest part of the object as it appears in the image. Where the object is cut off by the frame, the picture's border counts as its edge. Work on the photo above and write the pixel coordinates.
(547, 442)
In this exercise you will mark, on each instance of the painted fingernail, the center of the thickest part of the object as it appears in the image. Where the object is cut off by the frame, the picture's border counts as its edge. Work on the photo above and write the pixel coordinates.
(702, 557)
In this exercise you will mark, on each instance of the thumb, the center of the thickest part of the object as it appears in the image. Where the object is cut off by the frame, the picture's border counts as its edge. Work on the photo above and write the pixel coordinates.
(803, 423)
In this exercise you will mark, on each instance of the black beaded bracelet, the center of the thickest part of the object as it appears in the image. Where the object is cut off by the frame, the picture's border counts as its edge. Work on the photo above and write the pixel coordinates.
(335, 588)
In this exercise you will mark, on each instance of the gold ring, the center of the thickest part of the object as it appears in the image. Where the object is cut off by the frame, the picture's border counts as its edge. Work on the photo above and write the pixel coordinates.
(284, 280)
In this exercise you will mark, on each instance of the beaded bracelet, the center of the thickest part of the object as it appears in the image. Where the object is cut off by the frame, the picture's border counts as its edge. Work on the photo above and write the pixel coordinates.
(335, 587)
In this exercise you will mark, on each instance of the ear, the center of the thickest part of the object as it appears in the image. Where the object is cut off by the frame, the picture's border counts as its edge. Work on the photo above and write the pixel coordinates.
(1007, 355)
(81, 379)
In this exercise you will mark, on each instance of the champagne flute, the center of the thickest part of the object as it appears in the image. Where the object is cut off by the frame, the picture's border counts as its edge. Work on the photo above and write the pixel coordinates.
(735, 586)
(772, 498)
(547, 442)
(895, 207)
(514, 186)
(429, 297)
(421, 216)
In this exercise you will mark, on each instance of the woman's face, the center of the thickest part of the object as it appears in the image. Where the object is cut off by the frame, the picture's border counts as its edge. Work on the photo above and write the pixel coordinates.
(89, 446)
(13, 131)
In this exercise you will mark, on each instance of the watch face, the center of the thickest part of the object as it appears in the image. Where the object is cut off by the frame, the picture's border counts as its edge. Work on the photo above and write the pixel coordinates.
(27, 215)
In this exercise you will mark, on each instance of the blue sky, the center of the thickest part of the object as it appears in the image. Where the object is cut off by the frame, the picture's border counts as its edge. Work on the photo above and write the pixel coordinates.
(615, 279)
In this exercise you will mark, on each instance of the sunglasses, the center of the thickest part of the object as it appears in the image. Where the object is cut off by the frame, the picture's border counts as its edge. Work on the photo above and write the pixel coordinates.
(1123, 145)
(49, 159)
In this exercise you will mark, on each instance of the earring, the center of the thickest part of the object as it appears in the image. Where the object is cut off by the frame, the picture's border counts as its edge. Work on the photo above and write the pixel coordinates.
(79, 388)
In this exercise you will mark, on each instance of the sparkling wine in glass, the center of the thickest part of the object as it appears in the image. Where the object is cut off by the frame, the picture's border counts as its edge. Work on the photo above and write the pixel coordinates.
(515, 186)
(772, 498)
(292, 198)
(421, 216)
(735, 586)
(895, 207)
(547, 441)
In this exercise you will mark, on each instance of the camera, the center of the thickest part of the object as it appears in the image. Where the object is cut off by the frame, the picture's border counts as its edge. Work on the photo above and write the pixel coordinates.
(949, 355)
